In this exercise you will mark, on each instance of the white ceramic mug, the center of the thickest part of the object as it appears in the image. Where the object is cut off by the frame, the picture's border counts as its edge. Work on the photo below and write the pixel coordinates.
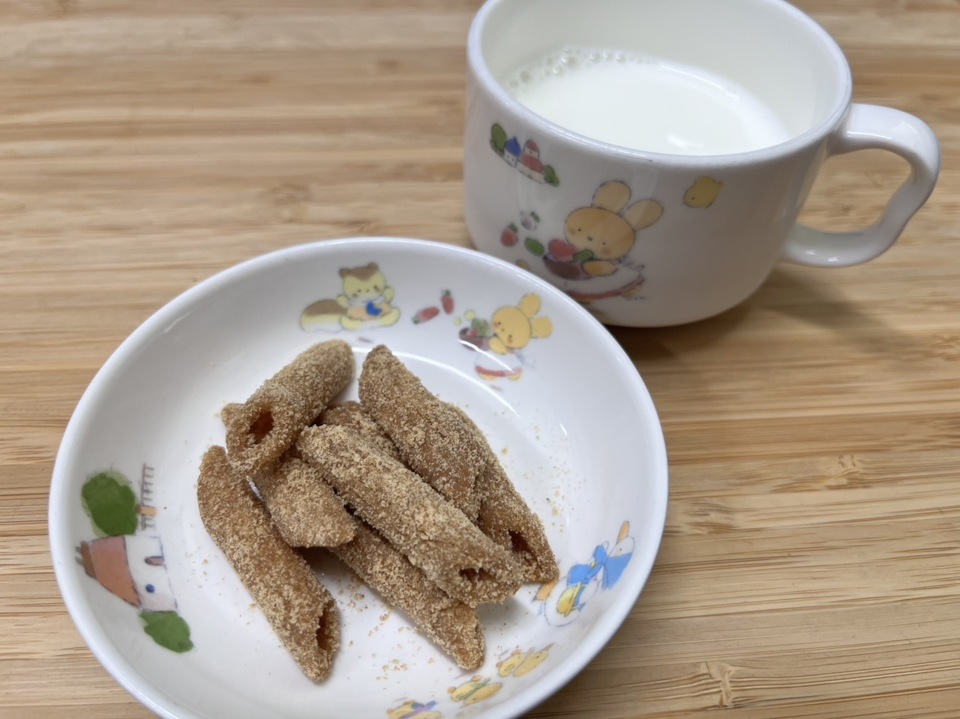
(742, 101)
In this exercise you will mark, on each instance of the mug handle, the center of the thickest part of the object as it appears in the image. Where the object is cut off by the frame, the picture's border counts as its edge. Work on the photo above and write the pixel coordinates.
(873, 127)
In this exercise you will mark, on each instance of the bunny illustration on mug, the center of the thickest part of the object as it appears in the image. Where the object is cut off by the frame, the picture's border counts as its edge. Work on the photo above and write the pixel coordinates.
(598, 240)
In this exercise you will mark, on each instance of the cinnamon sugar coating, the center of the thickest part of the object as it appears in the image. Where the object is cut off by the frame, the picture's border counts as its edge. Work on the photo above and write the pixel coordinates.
(300, 610)
(411, 515)
(432, 439)
(451, 625)
(303, 507)
(261, 429)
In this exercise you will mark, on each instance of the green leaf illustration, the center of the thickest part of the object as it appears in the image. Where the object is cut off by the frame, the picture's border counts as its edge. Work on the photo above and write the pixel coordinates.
(168, 629)
(111, 503)
(498, 138)
(534, 246)
(481, 327)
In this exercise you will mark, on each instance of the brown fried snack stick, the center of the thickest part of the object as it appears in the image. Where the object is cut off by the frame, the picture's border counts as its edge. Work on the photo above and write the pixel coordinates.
(304, 508)
(432, 439)
(229, 412)
(300, 609)
(261, 429)
(504, 516)
(354, 416)
(452, 625)
(413, 517)
(507, 520)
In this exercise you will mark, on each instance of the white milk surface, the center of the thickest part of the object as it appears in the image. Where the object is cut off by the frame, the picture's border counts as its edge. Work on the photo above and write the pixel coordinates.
(643, 103)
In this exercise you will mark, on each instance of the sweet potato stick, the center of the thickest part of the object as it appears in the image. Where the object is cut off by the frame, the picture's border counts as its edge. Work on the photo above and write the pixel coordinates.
(432, 439)
(505, 517)
(300, 610)
(304, 508)
(261, 429)
(435, 535)
(451, 625)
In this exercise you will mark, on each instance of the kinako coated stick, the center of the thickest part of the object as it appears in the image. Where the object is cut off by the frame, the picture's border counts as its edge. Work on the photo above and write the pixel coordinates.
(301, 611)
(505, 517)
(261, 429)
(354, 416)
(412, 516)
(432, 439)
(451, 625)
(304, 508)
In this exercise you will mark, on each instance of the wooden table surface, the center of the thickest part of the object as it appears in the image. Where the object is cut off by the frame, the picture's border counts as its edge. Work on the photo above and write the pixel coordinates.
(811, 561)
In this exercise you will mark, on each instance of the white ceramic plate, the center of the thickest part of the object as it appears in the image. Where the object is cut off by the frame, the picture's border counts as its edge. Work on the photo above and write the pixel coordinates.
(557, 397)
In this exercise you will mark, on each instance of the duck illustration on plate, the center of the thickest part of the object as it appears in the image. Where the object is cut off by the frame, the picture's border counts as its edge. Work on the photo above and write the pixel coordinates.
(562, 601)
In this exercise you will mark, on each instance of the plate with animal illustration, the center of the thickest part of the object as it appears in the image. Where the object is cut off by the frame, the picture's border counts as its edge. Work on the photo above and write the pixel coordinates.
(558, 400)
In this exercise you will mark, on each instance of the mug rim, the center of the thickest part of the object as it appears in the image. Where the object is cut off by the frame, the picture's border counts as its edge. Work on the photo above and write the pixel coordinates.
(477, 66)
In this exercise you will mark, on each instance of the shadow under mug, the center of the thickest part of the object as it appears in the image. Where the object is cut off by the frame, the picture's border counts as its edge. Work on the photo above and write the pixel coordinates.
(647, 238)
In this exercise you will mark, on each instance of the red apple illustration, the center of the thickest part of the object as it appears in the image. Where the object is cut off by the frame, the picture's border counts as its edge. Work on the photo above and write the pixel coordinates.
(561, 250)
(508, 238)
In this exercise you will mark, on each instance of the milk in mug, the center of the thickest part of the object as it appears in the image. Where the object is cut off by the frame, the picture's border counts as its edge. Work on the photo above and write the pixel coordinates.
(643, 103)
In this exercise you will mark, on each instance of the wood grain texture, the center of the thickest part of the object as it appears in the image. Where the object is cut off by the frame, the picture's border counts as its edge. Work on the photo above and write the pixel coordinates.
(811, 562)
